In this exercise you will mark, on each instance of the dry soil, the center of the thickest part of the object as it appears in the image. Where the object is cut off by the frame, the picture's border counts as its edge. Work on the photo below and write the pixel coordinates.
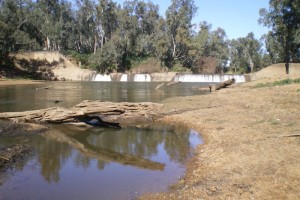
(252, 143)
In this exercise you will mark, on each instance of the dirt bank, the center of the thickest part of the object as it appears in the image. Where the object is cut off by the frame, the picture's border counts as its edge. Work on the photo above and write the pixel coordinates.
(18, 82)
(252, 143)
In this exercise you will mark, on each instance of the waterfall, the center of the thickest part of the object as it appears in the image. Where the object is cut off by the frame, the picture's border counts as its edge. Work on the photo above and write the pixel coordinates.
(142, 78)
(100, 77)
(196, 78)
(124, 78)
(208, 78)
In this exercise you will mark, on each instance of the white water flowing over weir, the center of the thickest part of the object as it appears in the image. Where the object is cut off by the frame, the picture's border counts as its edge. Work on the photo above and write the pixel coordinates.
(202, 78)
(124, 78)
(101, 77)
(142, 78)
(161, 77)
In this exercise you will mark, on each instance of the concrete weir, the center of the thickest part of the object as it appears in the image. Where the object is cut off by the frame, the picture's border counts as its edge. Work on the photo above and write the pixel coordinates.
(168, 77)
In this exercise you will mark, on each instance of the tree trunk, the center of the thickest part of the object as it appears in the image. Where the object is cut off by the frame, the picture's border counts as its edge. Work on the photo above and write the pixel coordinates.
(174, 48)
(48, 43)
(95, 43)
(251, 64)
(287, 52)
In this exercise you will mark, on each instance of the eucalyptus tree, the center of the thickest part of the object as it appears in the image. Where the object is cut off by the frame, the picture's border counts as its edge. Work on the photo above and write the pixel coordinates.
(283, 17)
(148, 16)
(273, 47)
(161, 43)
(17, 30)
(107, 14)
(67, 30)
(219, 48)
(86, 26)
(238, 59)
(245, 54)
(211, 52)
(128, 33)
(9, 22)
(48, 14)
(179, 23)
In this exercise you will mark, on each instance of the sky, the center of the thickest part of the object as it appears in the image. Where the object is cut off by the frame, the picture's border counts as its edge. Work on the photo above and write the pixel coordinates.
(236, 17)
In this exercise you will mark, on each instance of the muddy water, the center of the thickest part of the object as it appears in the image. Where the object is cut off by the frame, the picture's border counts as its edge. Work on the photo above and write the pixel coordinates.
(89, 163)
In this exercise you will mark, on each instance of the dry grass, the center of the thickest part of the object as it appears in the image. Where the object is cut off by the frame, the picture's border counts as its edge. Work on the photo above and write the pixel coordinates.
(252, 143)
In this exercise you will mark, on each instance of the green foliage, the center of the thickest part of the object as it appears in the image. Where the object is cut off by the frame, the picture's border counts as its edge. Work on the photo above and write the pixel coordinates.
(79, 57)
(282, 42)
(278, 83)
(178, 26)
(296, 80)
(106, 36)
(179, 68)
(136, 61)
(210, 50)
(146, 65)
(246, 54)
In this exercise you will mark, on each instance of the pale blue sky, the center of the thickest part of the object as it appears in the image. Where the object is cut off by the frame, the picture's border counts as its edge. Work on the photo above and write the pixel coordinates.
(236, 17)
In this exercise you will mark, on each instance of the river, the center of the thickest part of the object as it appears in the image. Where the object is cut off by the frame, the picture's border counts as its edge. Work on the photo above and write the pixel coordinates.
(70, 162)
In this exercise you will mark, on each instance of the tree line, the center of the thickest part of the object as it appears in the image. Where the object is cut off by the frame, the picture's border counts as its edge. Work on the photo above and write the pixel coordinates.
(108, 37)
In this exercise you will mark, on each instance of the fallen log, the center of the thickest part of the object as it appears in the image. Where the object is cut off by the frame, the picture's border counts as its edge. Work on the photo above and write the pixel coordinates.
(213, 87)
(225, 84)
(106, 111)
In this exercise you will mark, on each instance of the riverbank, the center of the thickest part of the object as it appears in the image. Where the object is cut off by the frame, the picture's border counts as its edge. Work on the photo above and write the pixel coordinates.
(19, 82)
(252, 137)
(252, 143)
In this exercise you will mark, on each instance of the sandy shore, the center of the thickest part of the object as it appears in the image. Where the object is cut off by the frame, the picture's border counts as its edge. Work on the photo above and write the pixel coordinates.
(252, 144)
(19, 82)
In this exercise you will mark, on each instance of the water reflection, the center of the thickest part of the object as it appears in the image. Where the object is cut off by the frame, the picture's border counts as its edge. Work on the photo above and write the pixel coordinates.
(128, 146)
(106, 147)
(154, 154)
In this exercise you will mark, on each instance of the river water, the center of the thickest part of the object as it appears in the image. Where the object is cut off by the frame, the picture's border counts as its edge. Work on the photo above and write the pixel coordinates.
(28, 97)
(70, 162)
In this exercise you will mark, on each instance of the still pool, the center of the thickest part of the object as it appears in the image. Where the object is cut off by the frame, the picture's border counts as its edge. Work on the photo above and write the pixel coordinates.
(70, 162)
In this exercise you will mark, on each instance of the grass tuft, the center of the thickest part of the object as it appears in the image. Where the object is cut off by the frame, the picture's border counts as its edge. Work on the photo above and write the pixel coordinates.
(277, 83)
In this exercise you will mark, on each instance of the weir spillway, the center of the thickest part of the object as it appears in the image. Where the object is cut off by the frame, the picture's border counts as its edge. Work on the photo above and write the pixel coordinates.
(167, 77)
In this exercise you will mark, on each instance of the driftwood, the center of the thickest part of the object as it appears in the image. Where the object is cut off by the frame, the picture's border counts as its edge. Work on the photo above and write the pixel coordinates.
(159, 86)
(45, 88)
(11, 154)
(166, 84)
(225, 84)
(86, 111)
(212, 87)
(172, 83)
